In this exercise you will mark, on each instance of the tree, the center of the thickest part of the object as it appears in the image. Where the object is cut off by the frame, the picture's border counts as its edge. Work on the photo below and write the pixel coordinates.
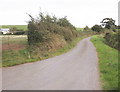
(97, 28)
(109, 23)
(86, 28)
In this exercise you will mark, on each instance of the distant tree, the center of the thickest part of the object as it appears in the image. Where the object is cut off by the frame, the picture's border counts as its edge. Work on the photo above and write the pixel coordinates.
(109, 23)
(97, 28)
(13, 29)
(86, 28)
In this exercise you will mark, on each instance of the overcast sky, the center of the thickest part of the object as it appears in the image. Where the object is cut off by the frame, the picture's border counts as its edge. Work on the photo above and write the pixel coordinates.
(79, 12)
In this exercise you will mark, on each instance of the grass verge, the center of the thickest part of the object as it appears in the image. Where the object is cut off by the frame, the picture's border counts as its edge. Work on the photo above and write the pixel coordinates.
(108, 64)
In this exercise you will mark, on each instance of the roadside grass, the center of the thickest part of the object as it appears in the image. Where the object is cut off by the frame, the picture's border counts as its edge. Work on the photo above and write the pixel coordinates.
(108, 64)
(20, 27)
(66, 48)
(16, 57)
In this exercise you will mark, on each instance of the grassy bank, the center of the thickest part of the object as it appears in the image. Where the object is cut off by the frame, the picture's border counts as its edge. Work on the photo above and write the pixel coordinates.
(13, 57)
(108, 64)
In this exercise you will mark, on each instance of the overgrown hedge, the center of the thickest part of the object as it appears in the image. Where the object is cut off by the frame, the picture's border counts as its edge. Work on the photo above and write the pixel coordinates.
(39, 28)
(112, 39)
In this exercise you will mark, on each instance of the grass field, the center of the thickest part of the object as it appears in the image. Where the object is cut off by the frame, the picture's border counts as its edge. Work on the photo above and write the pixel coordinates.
(108, 64)
(16, 39)
(20, 27)
(79, 29)
(13, 49)
(24, 27)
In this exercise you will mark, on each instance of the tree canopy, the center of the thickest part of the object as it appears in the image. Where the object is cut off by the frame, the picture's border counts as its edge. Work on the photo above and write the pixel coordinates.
(97, 28)
(109, 23)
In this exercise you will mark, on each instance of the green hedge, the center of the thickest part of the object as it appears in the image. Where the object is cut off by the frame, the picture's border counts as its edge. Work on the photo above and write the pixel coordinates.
(40, 28)
(112, 39)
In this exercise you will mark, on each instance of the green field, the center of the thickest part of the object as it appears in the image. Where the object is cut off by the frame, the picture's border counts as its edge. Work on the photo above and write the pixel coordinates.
(79, 29)
(13, 49)
(108, 64)
(14, 39)
(24, 27)
(20, 27)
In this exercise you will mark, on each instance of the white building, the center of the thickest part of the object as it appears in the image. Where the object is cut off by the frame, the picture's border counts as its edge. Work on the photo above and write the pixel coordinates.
(5, 30)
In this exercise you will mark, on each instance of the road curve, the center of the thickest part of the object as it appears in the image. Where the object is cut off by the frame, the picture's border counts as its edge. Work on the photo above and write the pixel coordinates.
(74, 70)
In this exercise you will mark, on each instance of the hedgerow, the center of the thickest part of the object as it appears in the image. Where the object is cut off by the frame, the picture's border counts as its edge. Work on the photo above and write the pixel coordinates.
(39, 28)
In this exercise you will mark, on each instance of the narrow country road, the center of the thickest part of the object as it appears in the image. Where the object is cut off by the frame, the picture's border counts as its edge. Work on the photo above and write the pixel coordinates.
(74, 70)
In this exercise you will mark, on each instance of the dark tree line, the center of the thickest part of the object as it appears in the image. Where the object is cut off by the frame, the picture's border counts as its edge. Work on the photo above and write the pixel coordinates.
(107, 23)
(112, 35)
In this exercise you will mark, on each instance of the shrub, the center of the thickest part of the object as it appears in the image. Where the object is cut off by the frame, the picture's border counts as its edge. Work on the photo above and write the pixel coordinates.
(39, 28)
(97, 28)
(87, 28)
(112, 39)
